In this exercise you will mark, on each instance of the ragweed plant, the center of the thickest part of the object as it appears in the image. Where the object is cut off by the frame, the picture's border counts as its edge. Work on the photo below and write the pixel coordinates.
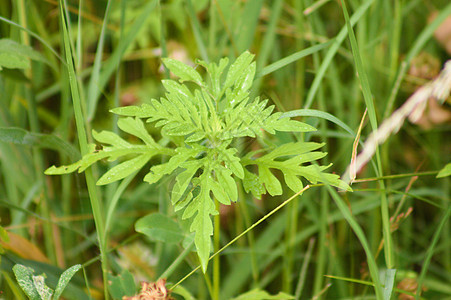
(202, 119)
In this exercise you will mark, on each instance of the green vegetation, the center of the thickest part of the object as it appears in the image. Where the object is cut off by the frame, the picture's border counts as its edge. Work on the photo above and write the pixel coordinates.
(189, 149)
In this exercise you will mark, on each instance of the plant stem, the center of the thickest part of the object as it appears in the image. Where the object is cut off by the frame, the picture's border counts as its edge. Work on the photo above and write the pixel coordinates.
(216, 265)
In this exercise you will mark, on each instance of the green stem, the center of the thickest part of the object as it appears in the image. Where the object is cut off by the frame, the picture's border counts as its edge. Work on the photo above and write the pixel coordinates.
(79, 120)
(216, 262)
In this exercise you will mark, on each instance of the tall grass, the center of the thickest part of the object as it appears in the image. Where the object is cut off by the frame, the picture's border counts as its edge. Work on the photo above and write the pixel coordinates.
(323, 62)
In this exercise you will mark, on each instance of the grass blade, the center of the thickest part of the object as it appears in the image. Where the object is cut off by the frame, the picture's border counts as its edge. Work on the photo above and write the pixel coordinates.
(292, 58)
(94, 81)
(363, 241)
(388, 248)
(332, 51)
(82, 138)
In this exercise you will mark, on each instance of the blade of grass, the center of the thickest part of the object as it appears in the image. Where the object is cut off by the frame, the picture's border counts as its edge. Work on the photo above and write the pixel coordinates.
(430, 251)
(82, 138)
(94, 80)
(249, 19)
(36, 36)
(291, 58)
(388, 249)
(372, 265)
(268, 40)
(197, 30)
(318, 114)
(111, 65)
(321, 72)
(303, 271)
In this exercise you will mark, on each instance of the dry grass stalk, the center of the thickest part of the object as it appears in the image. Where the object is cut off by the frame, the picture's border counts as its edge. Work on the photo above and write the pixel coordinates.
(413, 108)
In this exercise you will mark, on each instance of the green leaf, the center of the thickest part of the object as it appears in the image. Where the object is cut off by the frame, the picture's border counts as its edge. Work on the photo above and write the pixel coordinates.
(288, 158)
(258, 294)
(159, 227)
(118, 148)
(389, 282)
(183, 71)
(182, 155)
(135, 126)
(64, 280)
(122, 285)
(271, 182)
(16, 56)
(183, 180)
(232, 162)
(203, 207)
(225, 179)
(45, 293)
(24, 277)
(445, 172)
(241, 73)
(252, 183)
(125, 168)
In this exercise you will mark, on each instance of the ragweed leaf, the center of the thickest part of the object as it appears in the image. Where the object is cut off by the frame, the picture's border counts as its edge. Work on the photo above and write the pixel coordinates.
(236, 70)
(201, 207)
(253, 184)
(289, 158)
(117, 148)
(184, 72)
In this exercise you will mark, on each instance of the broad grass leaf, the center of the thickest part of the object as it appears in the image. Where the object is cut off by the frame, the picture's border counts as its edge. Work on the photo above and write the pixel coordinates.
(159, 227)
(23, 137)
(17, 56)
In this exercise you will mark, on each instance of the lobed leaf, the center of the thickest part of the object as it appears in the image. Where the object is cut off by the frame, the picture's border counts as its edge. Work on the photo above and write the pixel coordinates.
(183, 71)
